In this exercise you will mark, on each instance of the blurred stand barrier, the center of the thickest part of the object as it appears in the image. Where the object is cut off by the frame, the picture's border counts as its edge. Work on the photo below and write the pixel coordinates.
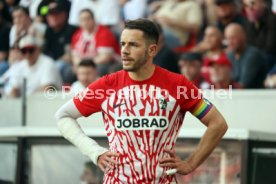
(243, 109)
(37, 154)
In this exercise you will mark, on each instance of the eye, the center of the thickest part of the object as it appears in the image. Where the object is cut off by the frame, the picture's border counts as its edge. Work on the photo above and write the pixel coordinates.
(133, 44)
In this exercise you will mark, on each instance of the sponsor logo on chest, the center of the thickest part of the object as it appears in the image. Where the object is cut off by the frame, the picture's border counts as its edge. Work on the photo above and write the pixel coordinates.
(141, 123)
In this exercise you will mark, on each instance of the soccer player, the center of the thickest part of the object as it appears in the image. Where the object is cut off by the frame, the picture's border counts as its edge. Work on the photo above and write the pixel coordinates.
(143, 108)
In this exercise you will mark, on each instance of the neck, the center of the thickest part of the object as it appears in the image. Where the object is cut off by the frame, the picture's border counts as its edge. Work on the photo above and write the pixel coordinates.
(31, 62)
(143, 73)
(91, 30)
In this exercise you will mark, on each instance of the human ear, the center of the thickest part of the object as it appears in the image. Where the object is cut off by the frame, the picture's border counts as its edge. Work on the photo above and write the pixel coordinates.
(152, 50)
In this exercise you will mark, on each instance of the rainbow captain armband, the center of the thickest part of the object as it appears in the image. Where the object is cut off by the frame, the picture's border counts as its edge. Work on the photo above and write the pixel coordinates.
(202, 108)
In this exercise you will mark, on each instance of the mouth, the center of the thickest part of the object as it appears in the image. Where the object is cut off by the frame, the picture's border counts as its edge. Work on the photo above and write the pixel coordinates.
(127, 60)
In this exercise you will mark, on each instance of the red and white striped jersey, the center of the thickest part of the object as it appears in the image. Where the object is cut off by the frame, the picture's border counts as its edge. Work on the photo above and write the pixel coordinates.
(141, 119)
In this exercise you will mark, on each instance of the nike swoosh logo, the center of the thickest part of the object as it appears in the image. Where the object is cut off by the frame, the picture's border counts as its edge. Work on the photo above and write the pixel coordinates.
(118, 105)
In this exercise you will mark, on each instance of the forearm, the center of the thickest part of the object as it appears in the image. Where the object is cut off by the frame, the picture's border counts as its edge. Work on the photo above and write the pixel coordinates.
(208, 142)
(68, 126)
(185, 26)
(70, 129)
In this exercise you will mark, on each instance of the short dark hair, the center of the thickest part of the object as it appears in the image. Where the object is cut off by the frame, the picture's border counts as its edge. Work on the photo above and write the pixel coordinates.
(148, 27)
(87, 63)
(21, 8)
(86, 10)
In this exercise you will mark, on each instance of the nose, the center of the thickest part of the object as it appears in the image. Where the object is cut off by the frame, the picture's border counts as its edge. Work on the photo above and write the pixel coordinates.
(125, 50)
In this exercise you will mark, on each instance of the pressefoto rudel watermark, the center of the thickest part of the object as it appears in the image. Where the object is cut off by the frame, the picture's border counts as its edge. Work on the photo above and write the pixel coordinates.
(51, 93)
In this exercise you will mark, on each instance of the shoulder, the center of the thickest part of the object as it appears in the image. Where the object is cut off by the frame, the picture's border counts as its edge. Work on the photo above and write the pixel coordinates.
(46, 59)
(253, 53)
(113, 78)
(77, 34)
(253, 56)
(46, 62)
(103, 30)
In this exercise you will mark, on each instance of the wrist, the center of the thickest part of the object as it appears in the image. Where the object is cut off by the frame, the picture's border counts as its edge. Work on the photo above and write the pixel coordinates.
(191, 164)
(95, 155)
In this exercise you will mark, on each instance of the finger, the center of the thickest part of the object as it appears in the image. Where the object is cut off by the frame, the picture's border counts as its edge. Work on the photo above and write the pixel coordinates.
(111, 160)
(112, 154)
(109, 166)
(101, 167)
(165, 160)
(171, 165)
(171, 152)
(104, 163)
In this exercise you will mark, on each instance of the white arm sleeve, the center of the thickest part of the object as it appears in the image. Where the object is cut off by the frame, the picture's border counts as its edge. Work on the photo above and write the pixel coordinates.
(68, 126)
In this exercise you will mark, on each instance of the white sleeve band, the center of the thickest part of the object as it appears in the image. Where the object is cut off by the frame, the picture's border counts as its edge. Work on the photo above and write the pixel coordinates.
(170, 172)
(71, 130)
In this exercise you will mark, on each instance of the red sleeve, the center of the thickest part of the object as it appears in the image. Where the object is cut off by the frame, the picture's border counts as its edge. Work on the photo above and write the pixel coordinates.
(89, 100)
(191, 99)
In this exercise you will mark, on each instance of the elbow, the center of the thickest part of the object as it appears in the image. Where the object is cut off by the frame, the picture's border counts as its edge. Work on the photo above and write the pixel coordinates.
(219, 126)
(222, 126)
(58, 114)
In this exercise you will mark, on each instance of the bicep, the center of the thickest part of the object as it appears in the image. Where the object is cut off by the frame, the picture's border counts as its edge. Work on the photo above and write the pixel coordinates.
(212, 117)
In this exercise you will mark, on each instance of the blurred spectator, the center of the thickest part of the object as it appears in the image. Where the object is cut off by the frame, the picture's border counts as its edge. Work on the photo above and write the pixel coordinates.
(165, 57)
(179, 19)
(58, 35)
(38, 69)
(220, 73)
(5, 11)
(209, 11)
(32, 5)
(42, 10)
(211, 45)
(94, 41)
(262, 28)
(91, 174)
(133, 9)
(21, 24)
(4, 46)
(86, 74)
(190, 66)
(228, 12)
(270, 81)
(107, 12)
(11, 4)
(249, 67)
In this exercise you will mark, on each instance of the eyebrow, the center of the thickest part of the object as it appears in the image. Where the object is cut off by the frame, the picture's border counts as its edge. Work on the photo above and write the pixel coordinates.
(131, 42)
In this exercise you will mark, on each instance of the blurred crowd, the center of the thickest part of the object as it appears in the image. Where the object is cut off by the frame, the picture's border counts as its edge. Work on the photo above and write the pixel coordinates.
(214, 43)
